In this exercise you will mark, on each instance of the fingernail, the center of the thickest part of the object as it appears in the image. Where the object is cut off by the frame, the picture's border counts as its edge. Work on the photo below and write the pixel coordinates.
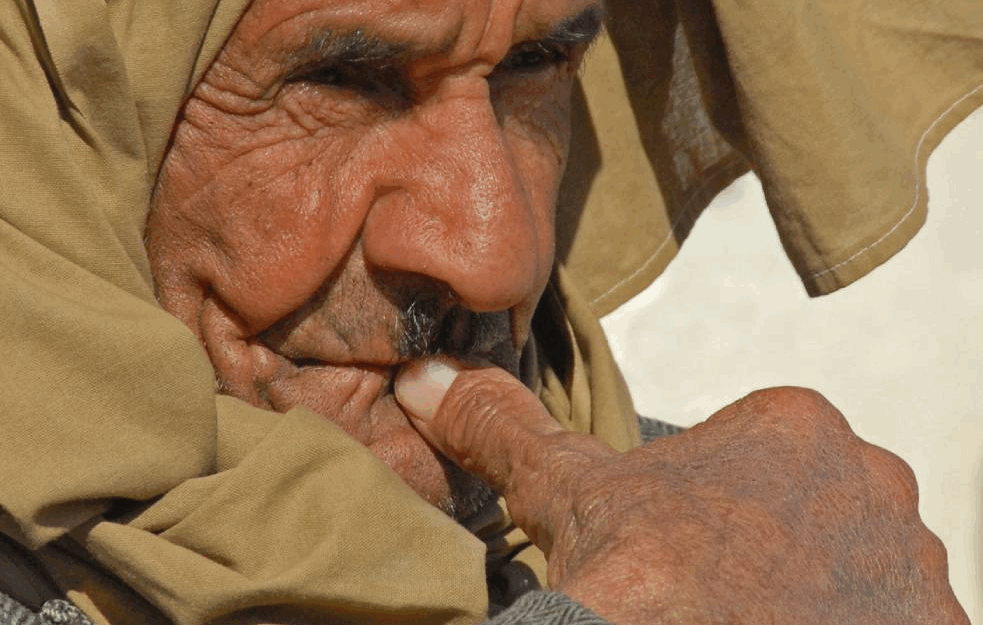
(421, 387)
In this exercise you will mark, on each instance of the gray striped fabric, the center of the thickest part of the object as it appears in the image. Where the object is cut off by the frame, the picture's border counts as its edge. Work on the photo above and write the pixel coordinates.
(54, 612)
(13, 613)
(653, 428)
(546, 608)
(534, 608)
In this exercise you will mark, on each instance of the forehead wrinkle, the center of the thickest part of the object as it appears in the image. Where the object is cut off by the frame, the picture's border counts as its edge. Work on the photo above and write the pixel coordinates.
(499, 26)
(389, 39)
(488, 38)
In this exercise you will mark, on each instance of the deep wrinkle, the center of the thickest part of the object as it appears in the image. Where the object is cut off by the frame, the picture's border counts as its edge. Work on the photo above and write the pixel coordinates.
(314, 222)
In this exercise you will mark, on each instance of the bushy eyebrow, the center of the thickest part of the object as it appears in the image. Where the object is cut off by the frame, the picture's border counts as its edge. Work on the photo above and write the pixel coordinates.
(355, 47)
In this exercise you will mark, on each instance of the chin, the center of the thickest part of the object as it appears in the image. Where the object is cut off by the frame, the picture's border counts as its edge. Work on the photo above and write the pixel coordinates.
(360, 400)
(435, 478)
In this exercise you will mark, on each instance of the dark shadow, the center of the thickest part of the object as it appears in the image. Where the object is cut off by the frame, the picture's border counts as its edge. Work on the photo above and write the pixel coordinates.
(582, 166)
(680, 97)
(508, 583)
(643, 34)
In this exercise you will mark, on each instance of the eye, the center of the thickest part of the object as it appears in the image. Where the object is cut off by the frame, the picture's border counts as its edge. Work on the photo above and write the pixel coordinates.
(534, 56)
(385, 84)
(328, 75)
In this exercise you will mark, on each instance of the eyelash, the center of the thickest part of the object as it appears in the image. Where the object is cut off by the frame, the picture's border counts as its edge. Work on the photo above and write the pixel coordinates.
(381, 84)
(336, 76)
(535, 56)
(331, 76)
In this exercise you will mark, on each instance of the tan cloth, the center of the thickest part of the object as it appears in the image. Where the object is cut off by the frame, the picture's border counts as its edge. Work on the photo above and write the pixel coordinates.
(148, 499)
(836, 106)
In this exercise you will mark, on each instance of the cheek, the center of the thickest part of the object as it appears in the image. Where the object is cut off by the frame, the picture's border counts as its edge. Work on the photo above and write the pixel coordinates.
(262, 222)
(263, 209)
(278, 243)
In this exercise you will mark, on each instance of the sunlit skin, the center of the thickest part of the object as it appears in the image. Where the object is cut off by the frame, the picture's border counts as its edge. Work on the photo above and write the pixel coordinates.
(346, 165)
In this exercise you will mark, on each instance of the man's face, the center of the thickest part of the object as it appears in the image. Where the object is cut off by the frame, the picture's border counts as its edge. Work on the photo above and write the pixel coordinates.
(358, 183)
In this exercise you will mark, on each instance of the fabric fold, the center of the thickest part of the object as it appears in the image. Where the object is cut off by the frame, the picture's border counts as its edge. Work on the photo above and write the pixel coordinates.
(835, 106)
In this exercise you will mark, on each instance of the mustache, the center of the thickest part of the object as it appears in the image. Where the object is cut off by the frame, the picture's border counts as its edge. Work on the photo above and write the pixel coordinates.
(428, 328)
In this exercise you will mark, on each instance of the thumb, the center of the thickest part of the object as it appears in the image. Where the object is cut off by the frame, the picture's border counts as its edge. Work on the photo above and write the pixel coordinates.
(490, 424)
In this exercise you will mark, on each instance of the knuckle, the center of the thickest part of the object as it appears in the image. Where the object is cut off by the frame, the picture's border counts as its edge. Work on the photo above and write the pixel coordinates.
(892, 477)
(936, 600)
(795, 410)
(475, 411)
(479, 399)
(932, 554)
(579, 447)
(783, 400)
(475, 401)
(482, 387)
(492, 424)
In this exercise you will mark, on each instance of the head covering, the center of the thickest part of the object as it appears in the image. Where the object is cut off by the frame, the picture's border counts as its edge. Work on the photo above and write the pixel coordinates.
(144, 496)
(147, 498)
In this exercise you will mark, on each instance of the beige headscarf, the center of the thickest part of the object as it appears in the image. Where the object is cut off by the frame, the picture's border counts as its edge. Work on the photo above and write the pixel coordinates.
(148, 499)
(143, 496)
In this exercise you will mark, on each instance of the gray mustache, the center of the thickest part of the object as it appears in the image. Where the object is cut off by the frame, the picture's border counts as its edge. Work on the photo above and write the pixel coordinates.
(429, 328)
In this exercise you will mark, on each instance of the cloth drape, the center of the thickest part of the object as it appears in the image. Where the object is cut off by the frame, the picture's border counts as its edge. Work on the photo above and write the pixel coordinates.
(145, 498)
(836, 107)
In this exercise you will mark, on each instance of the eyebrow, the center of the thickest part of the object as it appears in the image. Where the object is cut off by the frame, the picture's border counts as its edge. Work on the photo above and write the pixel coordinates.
(356, 47)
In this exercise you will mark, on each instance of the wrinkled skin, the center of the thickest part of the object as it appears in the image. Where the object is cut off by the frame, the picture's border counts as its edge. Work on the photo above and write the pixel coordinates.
(323, 216)
(771, 511)
(324, 220)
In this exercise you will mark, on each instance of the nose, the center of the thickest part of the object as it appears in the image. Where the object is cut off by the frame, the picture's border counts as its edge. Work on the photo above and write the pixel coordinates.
(451, 206)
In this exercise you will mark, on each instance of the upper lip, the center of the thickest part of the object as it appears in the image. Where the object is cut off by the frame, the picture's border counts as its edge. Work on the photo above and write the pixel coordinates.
(305, 361)
(454, 332)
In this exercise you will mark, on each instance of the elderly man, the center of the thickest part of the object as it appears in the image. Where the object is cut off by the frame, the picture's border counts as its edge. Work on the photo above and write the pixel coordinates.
(353, 213)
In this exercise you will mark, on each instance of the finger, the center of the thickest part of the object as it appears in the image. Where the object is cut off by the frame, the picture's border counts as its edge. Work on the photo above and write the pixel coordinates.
(488, 423)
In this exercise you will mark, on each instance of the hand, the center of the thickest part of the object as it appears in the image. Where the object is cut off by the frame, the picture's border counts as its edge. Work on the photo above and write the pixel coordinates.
(772, 511)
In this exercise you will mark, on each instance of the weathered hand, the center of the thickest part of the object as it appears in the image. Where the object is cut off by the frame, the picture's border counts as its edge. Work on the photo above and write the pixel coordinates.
(772, 511)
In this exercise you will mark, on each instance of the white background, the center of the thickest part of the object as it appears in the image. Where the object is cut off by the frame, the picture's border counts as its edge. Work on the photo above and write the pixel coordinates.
(900, 352)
